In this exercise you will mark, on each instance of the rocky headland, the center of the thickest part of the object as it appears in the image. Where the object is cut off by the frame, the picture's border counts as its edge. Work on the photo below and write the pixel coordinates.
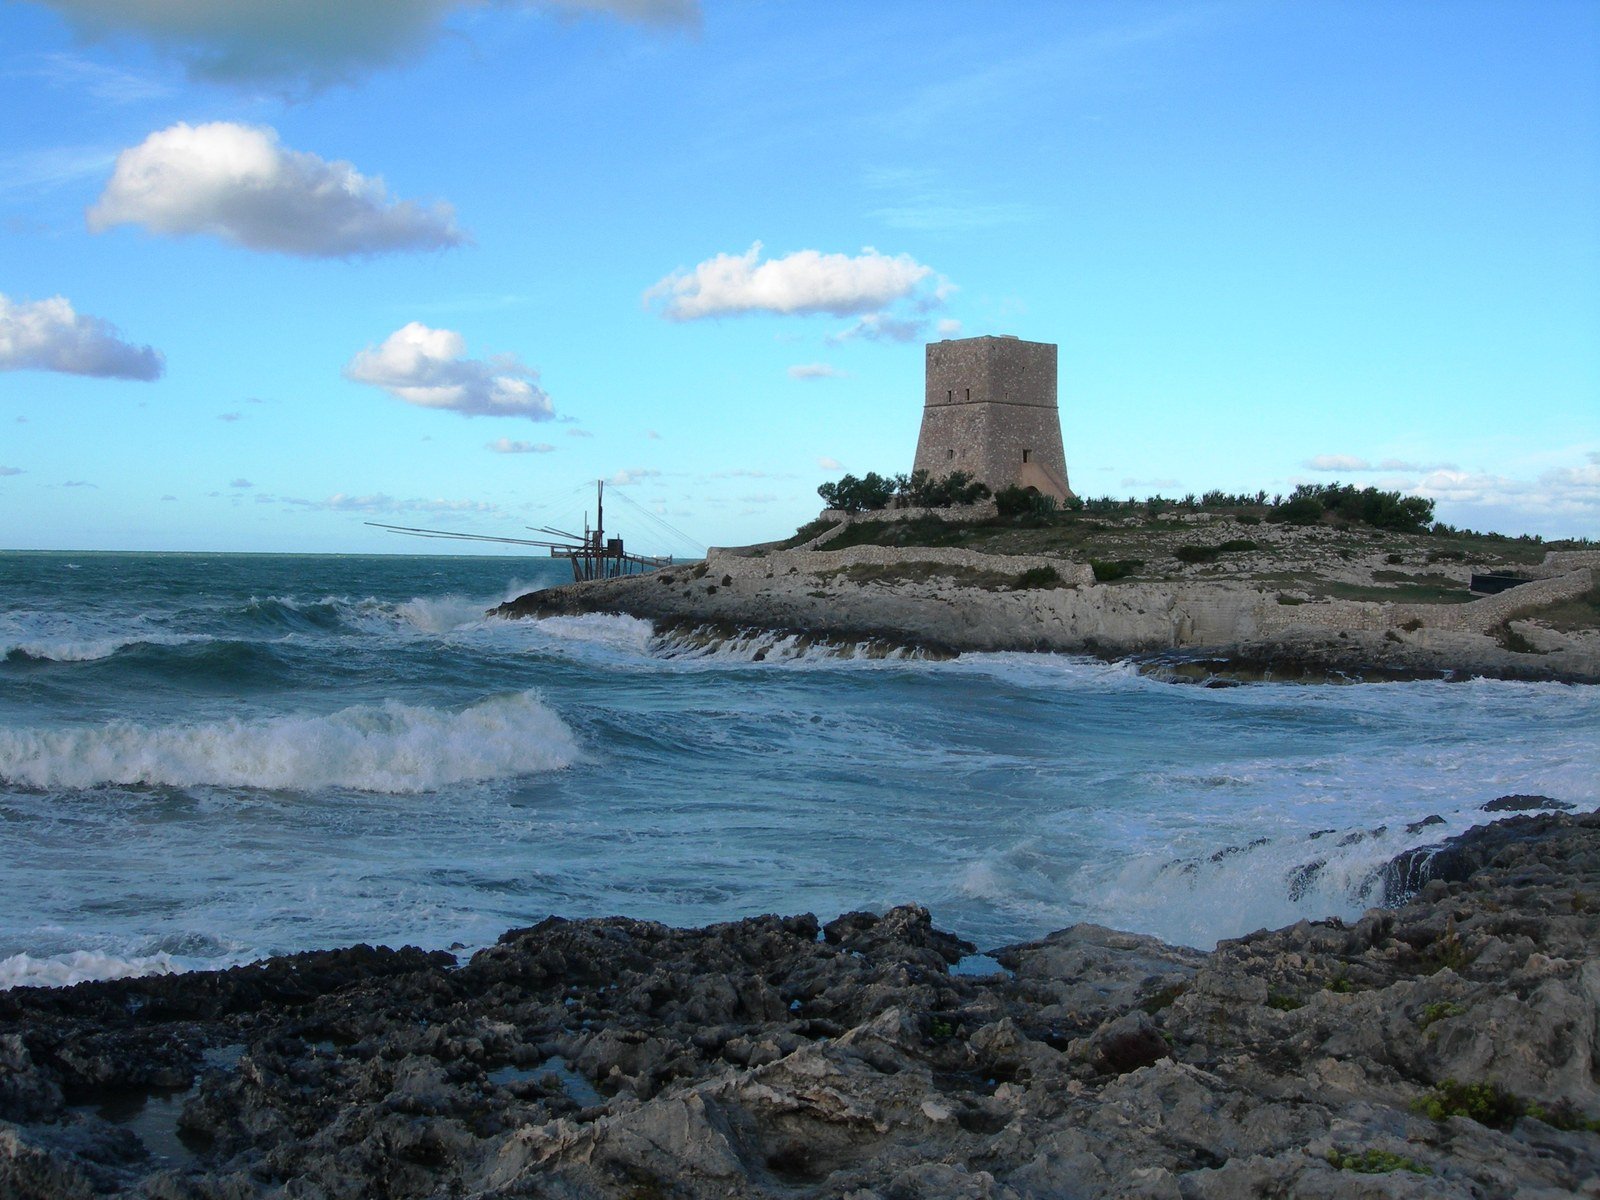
(1205, 597)
(1446, 1045)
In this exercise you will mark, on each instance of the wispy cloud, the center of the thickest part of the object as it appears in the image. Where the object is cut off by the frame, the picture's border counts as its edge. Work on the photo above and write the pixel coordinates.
(71, 72)
(633, 475)
(11, 470)
(241, 483)
(382, 502)
(816, 371)
(507, 446)
(1337, 462)
(924, 200)
(829, 464)
(56, 166)
(238, 183)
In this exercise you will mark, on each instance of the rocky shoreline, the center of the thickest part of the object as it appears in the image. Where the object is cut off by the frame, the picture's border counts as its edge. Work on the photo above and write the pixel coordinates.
(1445, 1046)
(945, 602)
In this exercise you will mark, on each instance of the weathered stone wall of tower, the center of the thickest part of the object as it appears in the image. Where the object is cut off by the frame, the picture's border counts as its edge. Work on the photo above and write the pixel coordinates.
(990, 410)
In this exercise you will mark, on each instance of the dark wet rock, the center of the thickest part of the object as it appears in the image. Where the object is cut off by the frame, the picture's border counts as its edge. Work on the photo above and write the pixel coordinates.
(772, 1057)
(1527, 804)
(1419, 826)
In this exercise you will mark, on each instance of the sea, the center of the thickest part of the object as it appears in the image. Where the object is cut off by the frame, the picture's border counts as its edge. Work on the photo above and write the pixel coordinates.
(206, 759)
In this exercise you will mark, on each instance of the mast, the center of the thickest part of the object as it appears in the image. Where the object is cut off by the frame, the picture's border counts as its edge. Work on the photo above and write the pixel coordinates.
(599, 512)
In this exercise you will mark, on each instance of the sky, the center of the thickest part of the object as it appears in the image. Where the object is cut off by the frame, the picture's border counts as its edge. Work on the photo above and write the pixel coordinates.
(273, 269)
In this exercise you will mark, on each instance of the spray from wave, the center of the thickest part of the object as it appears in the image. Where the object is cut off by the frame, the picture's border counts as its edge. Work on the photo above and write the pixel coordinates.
(393, 747)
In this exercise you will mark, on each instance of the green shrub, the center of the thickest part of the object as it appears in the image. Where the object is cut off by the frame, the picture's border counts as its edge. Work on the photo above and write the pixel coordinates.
(1486, 1103)
(1375, 1162)
(958, 487)
(1017, 501)
(1284, 1002)
(1195, 554)
(1381, 510)
(1302, 510)
(1105, 571)
(1038, 577)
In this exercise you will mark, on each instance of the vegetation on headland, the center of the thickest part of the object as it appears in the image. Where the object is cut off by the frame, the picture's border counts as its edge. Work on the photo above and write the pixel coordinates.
(1320, 541)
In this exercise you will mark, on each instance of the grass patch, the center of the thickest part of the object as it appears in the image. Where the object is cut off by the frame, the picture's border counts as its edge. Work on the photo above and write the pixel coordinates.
(1440, 1010)
(1580, 612)
(1375, 1162)
(1403, 593)
(806, 532)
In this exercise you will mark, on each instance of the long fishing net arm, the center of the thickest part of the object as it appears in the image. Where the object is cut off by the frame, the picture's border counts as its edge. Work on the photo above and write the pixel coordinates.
(414, 531)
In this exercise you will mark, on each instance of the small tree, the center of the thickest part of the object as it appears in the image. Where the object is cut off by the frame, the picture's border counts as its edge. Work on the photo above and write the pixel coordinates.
(867, 494)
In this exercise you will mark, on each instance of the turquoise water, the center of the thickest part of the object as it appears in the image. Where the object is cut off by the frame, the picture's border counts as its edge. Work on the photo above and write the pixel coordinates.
(209, 758)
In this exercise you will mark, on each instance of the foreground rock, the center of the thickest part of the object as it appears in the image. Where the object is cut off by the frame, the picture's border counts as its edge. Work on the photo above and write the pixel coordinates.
(1447, 1047)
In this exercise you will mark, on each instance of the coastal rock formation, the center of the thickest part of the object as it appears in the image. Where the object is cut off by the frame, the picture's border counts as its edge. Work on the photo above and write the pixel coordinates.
(1445, 1047)
(951, 600)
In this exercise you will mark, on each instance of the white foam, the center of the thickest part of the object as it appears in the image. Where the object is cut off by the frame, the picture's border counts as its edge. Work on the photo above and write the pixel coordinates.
(1272, 883)
(391, 747)
(53, 637)
(610, 630)
(78, 966)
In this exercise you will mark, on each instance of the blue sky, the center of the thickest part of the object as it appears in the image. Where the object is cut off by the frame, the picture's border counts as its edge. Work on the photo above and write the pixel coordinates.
(267, 274)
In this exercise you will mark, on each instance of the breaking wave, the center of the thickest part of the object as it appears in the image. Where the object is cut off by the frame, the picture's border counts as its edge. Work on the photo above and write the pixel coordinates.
(79, 966)
(393, 747)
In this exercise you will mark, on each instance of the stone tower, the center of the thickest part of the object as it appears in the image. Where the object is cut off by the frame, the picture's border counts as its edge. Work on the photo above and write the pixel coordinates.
(991, 412)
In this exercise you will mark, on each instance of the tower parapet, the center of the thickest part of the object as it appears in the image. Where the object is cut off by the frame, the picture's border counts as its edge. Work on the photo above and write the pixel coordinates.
(990, 410)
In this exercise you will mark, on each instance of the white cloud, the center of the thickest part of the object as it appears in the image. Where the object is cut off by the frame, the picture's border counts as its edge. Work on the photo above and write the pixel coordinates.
(238, 183)
(632, 475)
(816, 371)
(311, 42)
(230, 417)
(507, 446)
(804, 282)
(47, 335)
(579, 433)
(425, 367)
(947, 327)
(241, 483)
(10, 470)
(1337, 462)
(829, 464)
